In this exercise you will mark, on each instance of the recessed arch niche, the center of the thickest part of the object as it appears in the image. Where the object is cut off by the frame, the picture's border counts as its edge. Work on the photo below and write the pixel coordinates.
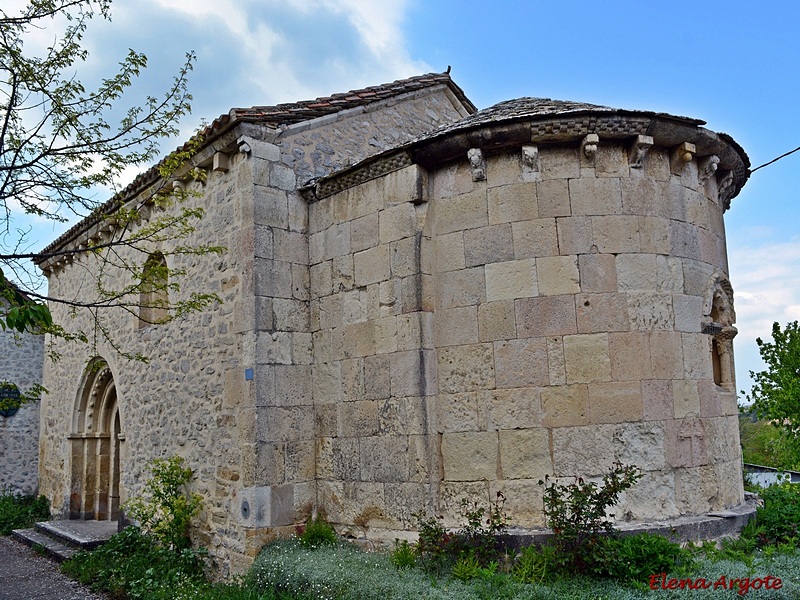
(95, 445)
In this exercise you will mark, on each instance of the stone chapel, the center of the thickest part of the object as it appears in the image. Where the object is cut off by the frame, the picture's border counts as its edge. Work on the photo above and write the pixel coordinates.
(421, 302)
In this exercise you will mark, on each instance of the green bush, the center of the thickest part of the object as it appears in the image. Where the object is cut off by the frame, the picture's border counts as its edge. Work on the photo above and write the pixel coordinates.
(577, 514)
(134, 565)
(166, 508)
(318, 532)
(778, 521)
(19, 511)
(533, 565)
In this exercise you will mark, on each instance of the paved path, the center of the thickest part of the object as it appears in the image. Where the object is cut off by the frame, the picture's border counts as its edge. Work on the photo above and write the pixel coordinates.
(25, 575)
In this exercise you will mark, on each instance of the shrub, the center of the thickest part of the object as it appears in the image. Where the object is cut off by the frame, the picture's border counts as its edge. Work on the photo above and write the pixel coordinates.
(479, 538)
(318, 532)
(166, 508)
(576, 512)
(778, 521)
(135, 566)
(19, 511)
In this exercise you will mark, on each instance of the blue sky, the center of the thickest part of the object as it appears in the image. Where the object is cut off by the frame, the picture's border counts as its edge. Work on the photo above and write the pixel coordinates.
(733, 64)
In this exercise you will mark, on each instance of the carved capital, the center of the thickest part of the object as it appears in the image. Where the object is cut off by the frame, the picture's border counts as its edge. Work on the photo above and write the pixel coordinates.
(680, 155)
(477, 164)
(638, 151)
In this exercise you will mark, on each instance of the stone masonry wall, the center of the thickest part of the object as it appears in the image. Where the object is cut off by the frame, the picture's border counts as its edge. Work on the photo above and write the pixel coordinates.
(570, 302)
(472, 337)
(192, 398)
(21, 358)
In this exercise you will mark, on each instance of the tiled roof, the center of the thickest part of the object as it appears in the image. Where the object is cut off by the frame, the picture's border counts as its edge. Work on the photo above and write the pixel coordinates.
(526, 108)
(280, 114)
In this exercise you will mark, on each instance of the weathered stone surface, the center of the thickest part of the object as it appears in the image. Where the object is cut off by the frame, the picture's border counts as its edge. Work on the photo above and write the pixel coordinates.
(525, 454)
(461, 288)
(470, 456)
(521, 363)
(597, 273)
(565, 406)
(518, 408)
(557, 275)
(615, 402)
(548, 316)
(602, 313)
(515, 202)
(491, 244)
(534, 238)
(456, 326)
(465, 368)
(511, 280)
(601, 196)
(587, 358)
(465, 211)
(496, 321)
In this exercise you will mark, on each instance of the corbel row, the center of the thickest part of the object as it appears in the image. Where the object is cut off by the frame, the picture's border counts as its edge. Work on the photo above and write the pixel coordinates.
(680, 156)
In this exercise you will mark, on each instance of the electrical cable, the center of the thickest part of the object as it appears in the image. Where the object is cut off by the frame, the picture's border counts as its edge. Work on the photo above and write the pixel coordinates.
(774, 160)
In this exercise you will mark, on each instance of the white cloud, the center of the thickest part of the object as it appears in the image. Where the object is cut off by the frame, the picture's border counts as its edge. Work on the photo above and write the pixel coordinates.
(766, 280)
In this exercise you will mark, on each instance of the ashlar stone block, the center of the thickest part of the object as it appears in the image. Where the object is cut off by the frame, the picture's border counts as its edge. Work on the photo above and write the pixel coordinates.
(565, 406)
(535, 238)
(450, 254)
(470, 456)
(371, 265)
(509, 203)
(465, 368)
(615, 402)
(459, 412)
(595, 196)
(553, 198)
(598, 273)
(397, 222)
(630, 356)
(488, 245)
(518, 408)
(496, 321)
(461, 288)
(685, 398)
(616, 234)
(521, 363)
(364, 232)
(456, 326)
(587, 358)
(602, 313)
(666, 354)
(558, 275)
(465, 211)
(511, 280)
(583, 451)
(657, 400)
(525, 454)
(546, 316)
(575, 235)
(559, 162)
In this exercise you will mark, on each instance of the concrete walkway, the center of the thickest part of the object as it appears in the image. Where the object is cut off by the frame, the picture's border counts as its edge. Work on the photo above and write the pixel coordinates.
(25, 575)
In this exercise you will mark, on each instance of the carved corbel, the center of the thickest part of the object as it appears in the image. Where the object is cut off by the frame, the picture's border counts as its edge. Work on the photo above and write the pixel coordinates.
(589, 146)
(530, 162)
(725, 190)
(477, 164)
(244, 146)
(220, 162)
(680, 155)
(638, 151)
(707, 166)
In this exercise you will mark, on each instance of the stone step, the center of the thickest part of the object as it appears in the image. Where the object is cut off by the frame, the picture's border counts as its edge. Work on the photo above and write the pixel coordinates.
(53, 548)
(63, 539)
(85, 535)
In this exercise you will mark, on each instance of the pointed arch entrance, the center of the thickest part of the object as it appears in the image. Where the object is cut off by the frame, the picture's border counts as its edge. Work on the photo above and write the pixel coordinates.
(95, 446)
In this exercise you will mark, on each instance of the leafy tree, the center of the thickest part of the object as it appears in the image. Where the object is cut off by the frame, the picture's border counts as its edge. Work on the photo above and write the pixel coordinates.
(63, 144)
(776, 390)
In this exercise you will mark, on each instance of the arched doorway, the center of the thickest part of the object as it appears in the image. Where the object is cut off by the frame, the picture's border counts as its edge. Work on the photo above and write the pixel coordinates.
(95, 444)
